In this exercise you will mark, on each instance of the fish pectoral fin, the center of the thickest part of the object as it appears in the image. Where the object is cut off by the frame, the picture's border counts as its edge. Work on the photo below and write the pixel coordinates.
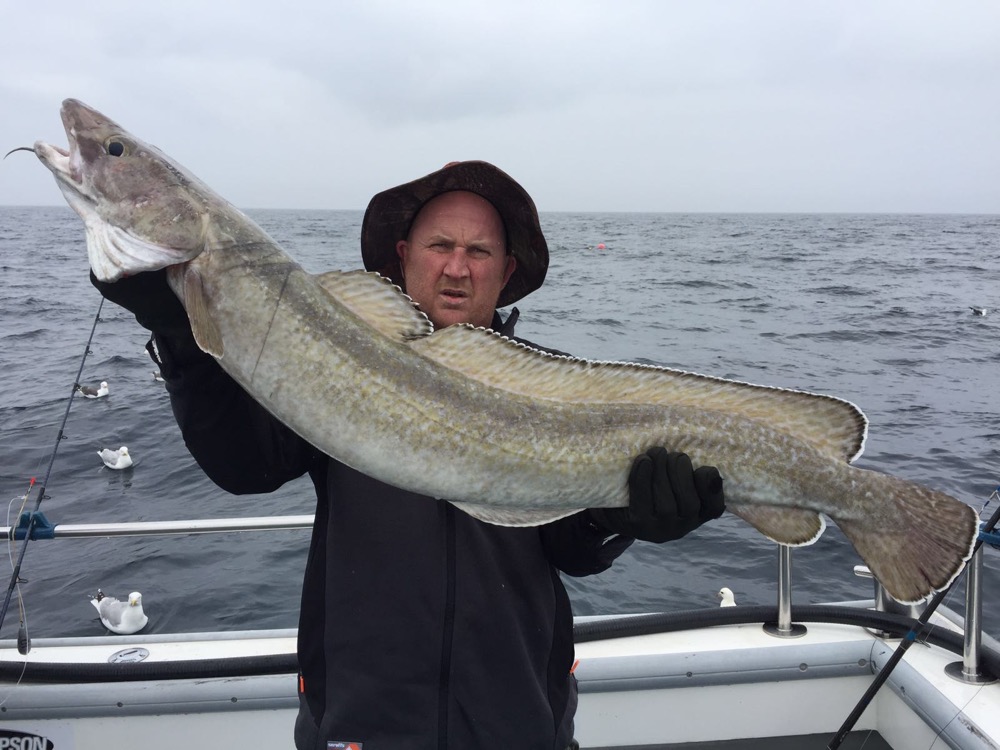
(499, 516)
(795, 527)
(206, 332)
(377, 301)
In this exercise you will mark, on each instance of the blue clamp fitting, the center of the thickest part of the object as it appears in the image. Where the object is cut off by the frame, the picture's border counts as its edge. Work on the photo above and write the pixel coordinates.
(42, 528)
(991, 538)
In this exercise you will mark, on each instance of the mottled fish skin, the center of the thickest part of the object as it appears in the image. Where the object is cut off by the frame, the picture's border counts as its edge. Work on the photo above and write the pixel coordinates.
(511, 435)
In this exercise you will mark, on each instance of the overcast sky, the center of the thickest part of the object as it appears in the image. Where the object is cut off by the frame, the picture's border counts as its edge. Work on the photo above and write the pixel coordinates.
(787, 105)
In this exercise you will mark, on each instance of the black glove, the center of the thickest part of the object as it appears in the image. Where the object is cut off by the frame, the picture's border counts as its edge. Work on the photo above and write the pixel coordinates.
(666, 498)
(150, 299)
(157, 309)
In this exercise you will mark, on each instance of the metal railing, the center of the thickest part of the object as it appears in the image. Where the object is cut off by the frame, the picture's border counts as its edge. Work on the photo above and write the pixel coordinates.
(43, 529)
(968, 670)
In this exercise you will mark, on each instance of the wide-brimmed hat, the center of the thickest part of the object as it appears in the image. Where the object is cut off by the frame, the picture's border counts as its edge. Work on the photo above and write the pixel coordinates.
(391, 212)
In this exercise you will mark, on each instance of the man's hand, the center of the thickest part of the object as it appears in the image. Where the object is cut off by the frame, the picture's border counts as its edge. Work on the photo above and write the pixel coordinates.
(667, 499)
(149, 298)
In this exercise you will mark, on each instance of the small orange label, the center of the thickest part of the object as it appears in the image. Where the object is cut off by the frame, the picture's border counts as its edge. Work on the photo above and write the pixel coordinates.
(575, 665)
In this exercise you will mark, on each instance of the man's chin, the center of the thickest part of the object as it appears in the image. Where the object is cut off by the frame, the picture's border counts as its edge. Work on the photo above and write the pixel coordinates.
(452, 310)
(443, 321)
(450, 315)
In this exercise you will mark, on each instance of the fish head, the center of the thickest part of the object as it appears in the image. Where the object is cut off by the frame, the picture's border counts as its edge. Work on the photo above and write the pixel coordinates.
(142, 211)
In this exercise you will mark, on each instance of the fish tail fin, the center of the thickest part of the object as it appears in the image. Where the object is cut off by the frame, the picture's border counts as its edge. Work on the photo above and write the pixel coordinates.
(925, 546)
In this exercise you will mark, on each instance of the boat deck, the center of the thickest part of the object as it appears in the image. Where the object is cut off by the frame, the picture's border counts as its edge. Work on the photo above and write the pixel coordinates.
(868, 740)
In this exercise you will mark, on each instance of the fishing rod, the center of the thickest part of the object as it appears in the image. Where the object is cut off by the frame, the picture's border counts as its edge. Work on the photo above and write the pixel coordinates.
(23, 642)
(908, 640)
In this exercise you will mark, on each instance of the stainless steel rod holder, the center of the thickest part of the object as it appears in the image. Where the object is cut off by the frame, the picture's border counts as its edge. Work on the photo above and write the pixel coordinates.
(784, 628)
(969, 670)
(885, 603)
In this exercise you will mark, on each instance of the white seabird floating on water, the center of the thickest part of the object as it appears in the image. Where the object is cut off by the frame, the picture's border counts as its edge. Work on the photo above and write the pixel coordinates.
(726, 597)
(89, 391)
(978, 310)
(119, 459)
(124, 618)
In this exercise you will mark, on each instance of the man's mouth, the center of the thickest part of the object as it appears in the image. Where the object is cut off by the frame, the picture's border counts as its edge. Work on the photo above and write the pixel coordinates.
(455, 294)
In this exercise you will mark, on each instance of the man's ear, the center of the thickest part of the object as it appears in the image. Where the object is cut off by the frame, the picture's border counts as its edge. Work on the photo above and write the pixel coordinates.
(402, 248)
(511, 265)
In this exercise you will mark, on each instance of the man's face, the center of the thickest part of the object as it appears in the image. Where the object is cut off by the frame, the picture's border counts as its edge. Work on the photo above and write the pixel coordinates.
(455, 262)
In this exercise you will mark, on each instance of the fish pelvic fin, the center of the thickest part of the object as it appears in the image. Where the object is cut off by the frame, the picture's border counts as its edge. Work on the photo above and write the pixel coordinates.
(834, 426)
(925, 550)
(379, 302)
(796, 527)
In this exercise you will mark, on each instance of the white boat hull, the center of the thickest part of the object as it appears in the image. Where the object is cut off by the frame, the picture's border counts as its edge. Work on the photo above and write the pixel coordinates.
(698, 685)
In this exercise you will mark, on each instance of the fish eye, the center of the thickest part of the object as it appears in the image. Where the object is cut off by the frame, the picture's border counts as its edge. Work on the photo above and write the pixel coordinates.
(115, 147)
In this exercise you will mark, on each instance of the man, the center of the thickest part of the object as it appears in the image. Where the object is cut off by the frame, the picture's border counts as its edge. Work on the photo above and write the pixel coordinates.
(421, 627)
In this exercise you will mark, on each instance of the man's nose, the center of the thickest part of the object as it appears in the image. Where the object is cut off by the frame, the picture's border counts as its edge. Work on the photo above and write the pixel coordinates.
(458, 263)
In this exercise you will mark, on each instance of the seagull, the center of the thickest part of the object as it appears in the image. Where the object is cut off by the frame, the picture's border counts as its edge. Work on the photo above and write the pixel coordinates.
(119, 459)
(121, 617)
(979, 310)
(91, 392)
(726, 597)
(157, 376)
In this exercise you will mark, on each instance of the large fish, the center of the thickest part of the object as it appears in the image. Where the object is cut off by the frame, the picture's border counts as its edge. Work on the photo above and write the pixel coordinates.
(510, 434)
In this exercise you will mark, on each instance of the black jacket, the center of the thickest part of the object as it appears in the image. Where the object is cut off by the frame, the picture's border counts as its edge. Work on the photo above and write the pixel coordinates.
(420, 627)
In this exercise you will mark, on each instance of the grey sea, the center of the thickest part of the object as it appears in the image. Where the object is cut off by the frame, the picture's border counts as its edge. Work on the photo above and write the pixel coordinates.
(871, 308)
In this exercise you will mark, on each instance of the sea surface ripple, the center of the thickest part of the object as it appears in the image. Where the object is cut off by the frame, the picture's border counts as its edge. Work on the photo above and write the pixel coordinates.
(870, 308)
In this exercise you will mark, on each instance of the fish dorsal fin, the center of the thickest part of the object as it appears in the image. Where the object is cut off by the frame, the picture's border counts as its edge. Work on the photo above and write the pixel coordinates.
(378, 302)
(832, 425)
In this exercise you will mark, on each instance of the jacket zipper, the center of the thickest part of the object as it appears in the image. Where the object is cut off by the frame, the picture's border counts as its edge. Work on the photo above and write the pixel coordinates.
(448, 630)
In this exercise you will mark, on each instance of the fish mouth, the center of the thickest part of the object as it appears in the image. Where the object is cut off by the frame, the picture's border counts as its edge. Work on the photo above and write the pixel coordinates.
(63, 162)
(66, 164)
(58, 160)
